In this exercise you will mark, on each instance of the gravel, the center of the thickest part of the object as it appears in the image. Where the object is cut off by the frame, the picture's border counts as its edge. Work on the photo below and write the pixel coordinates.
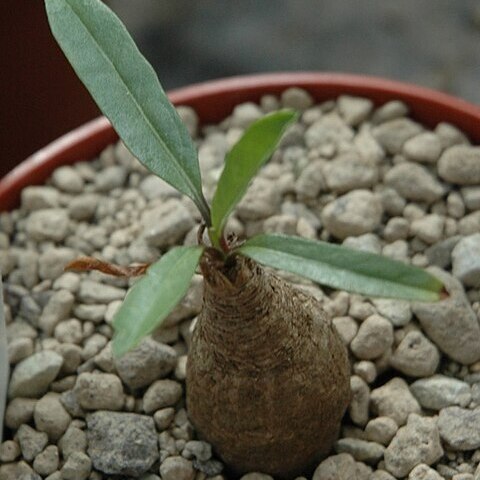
(350, 172)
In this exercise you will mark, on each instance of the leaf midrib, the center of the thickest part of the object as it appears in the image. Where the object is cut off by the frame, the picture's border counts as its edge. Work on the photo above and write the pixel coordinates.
(137, 105)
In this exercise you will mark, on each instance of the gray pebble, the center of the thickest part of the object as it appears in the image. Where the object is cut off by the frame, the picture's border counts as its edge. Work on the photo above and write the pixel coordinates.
(68, 179)
(451, 323)
(19, 349)
(121, 443)
(177, 468)
(424, 472)
(296, 98)
(381, 430)
(471, 197)
(50, 416)
(9, 451)
(460, 164)
(74, 440)
(354, 110)
(352, 214)
(389, 111)
(39, 197)
(450, 135)
(466, 260)
(245, 114)
(425, 148)
(415, 356)
(77, 467)
(429, 228)
(394, 400)
(189, 118)
(110, 178)
(32, 376)
(417, 442)
(346, 327)
(361, 450)
(414, 182)
(329, 129)
(99, 391)
(147, 362)
(201, 451)
(47, 462)
(439, 391)
(31, 442)
(261, 200)
(161, 394)
(336, 467)
(358, 408)
(347, 172)
(82, 207)
(163, 418)
(394, 133)
(460, 428)
(97, 293)
(374, 337)
(48, 224)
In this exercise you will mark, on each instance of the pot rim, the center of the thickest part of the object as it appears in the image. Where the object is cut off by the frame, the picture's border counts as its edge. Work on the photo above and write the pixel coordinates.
(213, 100)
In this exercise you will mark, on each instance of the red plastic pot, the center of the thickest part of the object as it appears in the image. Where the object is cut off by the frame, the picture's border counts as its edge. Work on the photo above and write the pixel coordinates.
(215, 100)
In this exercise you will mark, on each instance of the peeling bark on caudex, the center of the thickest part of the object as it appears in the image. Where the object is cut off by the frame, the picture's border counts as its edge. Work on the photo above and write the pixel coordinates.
(267, 375)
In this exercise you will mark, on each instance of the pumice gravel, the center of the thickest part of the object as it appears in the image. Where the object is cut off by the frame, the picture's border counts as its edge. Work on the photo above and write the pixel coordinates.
(347, 172)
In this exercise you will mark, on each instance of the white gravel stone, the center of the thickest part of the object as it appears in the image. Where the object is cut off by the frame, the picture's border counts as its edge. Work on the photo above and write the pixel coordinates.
(471, 197)
(261, 200)
(361, 450)
(296, 98)
(415, 356)
(347, 172)
(460, 164)
(57, 309)
(374, 337)
(52, 262)
(439, 391)
(393, 134)
(425, 147)
(69, 331)
(202, 451)
(346, 327)
(149, 361)
(31, 442)
(398, 312)
(32, 376)
(39, 197)
(154, 187)
(47, 462)
(18, 349)
(68, 179)
(162, 394)
(167, 224)
(99, 391)
(381, 430)
(354, 110)
(414, 182)
(97, 293)
(74, 440)
(389, 111)
(394, 400)
(329, 129)
(311, 180)
(353, 214)
(50, 416)
(429, 228)
(450, 135)
(48, 224)
(424, 472)
(82, 207)
(9, 451)
(369, 242)
(110, 177)
(77, 467)
(466, 260)
(460, 427)
(336, 467)
(358, 408)
(177, 468)
(189, 118)
(245, 114)
(366, 370)
(451, 323)
(417, 442)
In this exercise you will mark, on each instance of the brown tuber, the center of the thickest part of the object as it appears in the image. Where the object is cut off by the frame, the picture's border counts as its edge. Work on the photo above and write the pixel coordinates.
(267, 375)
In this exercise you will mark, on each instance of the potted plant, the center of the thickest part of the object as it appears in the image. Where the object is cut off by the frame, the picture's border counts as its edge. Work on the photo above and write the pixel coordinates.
(223, 264)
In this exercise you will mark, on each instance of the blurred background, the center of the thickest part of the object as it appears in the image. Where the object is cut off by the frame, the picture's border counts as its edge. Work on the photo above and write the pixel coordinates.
(434, 43)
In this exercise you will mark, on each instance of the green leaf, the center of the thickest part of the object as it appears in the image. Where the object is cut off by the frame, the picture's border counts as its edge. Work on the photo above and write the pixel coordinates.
(154, 296)
(127, 90)
(243, 162)
(343, 268)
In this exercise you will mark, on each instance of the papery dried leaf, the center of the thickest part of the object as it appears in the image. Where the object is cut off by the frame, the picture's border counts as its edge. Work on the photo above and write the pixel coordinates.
(86, 264)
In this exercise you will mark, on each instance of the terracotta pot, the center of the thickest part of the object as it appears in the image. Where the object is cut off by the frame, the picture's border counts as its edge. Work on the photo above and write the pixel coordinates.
(215, 100)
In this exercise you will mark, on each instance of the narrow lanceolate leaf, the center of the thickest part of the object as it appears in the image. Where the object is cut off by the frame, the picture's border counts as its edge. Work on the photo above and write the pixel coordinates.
(154, 296)
(243, 162)
(127, 90)
(343, 268)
